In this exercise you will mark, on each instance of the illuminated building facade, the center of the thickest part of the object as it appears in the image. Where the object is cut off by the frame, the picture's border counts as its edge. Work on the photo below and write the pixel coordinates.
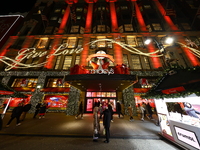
(61, 43)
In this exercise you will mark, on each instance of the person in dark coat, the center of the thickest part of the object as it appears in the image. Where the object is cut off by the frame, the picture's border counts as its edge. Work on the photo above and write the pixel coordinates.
(178, 109)
(26, 108)
(42, 110)
(80, 111)
(119, 109)
(16, 113)
(37, 109)
(106, 123)
(149, 110)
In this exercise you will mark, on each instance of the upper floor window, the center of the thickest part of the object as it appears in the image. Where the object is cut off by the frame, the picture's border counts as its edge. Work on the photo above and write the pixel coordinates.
(157, 27)
(57, 10)
(70, 42)
(74, 29)
(101, 43)
(135, 59)
(128, 27)
(147, 6)
(42, 43)
(186, 26)
(131, 40)
(124, 7)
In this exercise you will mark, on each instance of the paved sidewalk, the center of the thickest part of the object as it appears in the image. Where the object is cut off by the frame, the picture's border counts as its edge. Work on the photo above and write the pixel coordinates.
(58, 124)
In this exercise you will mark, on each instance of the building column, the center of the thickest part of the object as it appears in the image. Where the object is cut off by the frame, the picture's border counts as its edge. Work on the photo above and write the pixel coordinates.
(192, 58)
(128, 99)
(74, 97)
(88, 23)
(113, 16)
(86, 47)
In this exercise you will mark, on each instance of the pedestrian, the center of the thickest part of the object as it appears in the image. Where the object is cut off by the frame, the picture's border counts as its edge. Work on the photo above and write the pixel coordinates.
(80, 110)
(96, 123)
(119, 109)
(130, 111)
(106, 123)
(141, 110)
(111, 110)
(37, 109)
(149, 110)
(144, 105)
(26, 108)
(16, 113)
(100, 111)
(42, 111)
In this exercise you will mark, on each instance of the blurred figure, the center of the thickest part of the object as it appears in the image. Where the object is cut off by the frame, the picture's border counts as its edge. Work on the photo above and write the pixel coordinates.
(26, 108)
(149, 110)
(80, 110)
(37, 109)
(119, 109)
(141, 109)
(96, 123)
(42, 111)
(106, 123)
(110, 107)
(130, 111)
(178, 109)
(16, 113)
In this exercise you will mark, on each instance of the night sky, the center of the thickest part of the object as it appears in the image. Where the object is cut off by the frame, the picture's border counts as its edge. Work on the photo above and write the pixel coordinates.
(7, 6)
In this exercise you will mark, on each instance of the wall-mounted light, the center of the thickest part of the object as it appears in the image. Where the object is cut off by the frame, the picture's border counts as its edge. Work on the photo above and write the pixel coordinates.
(39, 86)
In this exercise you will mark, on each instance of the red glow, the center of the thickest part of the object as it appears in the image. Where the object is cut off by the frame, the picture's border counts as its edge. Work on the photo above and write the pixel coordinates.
(49, 64)
(64, 20)
(167, 18)
(118, 54)
(113, 17)
(89, 18)
(155, 60)
(139, 17)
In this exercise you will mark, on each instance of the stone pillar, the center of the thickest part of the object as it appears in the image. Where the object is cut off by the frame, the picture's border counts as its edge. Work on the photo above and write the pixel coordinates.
(128, 98)
(74, 97)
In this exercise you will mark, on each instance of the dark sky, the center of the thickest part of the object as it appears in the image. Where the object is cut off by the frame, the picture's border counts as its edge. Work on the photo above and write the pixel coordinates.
(13, 6)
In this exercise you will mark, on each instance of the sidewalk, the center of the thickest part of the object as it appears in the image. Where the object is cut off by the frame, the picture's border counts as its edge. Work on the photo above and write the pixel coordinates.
(58, 124)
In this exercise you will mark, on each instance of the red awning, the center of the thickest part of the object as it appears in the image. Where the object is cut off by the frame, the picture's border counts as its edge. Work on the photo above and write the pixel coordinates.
(174, 90)
(6, 92)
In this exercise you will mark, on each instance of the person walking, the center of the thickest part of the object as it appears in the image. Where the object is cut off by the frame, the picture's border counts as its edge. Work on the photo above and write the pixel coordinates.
(96, 123)
(16, 113)
(111, 110)
(80, 111)
(106, 123)
(119, 109)
(26, 108)
(141, 109)
(42, 111)
(130, 111)
(149, 110)
(37, 109)
(144, 105)
(100, 111)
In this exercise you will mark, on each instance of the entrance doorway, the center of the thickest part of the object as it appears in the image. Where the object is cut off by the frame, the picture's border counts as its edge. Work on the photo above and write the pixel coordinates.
(100, 97)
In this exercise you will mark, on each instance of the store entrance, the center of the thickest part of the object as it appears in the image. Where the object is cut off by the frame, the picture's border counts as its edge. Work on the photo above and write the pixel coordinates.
(100, 97)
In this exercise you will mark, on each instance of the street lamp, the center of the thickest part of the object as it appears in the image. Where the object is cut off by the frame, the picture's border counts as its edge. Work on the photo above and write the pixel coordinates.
(167, 40)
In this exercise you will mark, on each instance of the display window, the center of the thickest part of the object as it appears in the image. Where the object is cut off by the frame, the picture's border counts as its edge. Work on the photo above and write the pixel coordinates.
(56, 101)
(179, 120)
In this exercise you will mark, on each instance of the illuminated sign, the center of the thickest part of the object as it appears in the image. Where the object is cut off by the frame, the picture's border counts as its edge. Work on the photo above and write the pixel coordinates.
(27, 53)
(187, 137)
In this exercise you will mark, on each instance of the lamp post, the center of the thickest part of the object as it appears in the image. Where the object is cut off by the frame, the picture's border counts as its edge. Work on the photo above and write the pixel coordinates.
(167, 40)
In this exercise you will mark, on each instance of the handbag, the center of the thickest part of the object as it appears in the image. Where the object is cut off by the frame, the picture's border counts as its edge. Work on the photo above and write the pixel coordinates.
(104, 131)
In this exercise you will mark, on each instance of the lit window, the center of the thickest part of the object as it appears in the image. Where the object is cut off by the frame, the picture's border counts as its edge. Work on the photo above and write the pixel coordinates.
(74, 29)
(42, 43)
(125, 59)
(67, 62)
(136, 62)
(131, 40)
(79, 9)
(57, 10)
(57, 62)
(70, 42)
(77, 59)
(54, 18)
(101, 43)
(157, 27)
(57, 82)
(186, 26)
(124, 7)
(101, 28)
(25, 82)
(128, 27)
(146, 62)
(147, 6)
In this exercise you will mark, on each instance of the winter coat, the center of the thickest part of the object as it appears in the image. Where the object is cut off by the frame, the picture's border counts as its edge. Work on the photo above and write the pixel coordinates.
(118, 107)
(17, 111)
(106, 118)
(27, 107)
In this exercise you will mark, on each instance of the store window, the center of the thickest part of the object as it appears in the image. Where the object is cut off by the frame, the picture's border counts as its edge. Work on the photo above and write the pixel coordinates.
(135, 59)
(57, 82)
(24, 82)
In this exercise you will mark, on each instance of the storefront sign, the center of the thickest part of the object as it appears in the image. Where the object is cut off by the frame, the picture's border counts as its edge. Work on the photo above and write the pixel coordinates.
(187, 137)
(102, 71)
